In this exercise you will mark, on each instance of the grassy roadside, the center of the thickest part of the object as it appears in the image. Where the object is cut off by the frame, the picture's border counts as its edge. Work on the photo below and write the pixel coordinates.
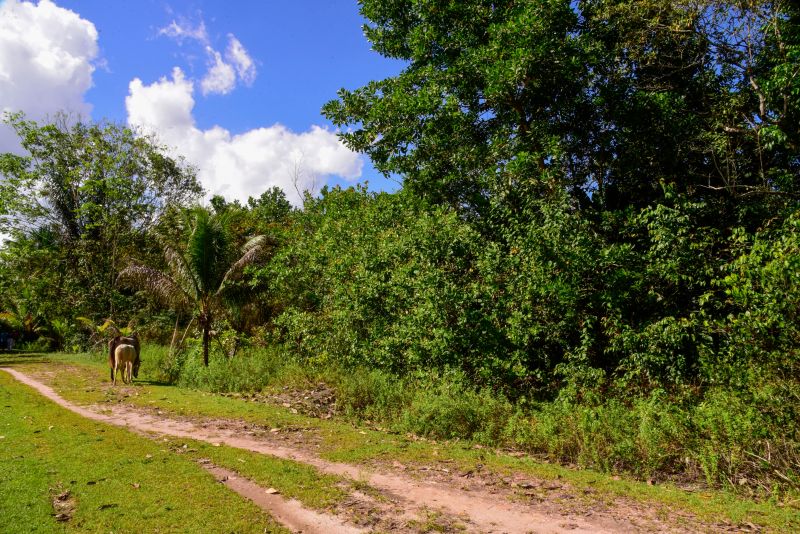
(82, 380)
(101, 478)
(293, 479)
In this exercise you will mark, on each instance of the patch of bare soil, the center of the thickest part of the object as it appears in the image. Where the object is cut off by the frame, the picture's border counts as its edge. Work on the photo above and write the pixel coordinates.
(318, 400)
(409, 498)
(63, 503)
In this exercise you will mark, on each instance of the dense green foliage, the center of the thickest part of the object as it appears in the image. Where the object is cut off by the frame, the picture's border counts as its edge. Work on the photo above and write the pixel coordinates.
(594, 254)
(199, 272)
(73, 210)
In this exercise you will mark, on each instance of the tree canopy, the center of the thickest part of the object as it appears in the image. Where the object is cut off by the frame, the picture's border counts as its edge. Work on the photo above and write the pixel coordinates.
(80, 201)
(606, 99)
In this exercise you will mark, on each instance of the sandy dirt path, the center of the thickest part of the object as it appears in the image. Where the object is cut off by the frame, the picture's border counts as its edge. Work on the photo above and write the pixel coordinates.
(472, 510)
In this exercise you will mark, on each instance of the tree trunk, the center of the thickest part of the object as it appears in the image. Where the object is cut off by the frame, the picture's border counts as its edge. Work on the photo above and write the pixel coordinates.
(206, 328)
(174, 335)
(183, 337)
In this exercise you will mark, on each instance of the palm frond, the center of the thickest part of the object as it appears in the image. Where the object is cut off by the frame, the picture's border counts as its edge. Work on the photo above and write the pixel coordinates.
(181, 271)
(253, 251)
(208, 249)
(108, 323)
(257, 242)
(160, 285)
(11, 318)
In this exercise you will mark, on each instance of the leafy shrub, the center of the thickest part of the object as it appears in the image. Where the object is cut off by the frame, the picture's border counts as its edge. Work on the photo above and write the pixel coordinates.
(447, 409)
(382, 281)
(34, 345)
(248, 371)
(372, 394)
(160, 364)
(645, 436)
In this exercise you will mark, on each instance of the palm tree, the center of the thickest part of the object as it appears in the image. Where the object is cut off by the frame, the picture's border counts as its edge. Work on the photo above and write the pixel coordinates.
(21, 316)
(196, 277)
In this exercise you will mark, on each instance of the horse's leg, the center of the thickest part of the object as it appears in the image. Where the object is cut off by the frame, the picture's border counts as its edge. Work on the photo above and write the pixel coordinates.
(114, 374)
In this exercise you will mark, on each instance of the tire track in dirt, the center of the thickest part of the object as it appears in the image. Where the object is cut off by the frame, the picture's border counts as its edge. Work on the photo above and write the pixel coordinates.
(289, 512)
(479, 512)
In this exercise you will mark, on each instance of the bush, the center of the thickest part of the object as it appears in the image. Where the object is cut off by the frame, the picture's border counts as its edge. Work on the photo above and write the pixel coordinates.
(731, 438)
(379, 280)
(446, 407)
(249, 370)
(36, 345)
(160, 365)
(646, 436)
(372, 394)
(739, 445)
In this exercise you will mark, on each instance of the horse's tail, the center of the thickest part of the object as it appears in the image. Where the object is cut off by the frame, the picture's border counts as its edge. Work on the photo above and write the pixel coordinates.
(112, 345)
(136, 345)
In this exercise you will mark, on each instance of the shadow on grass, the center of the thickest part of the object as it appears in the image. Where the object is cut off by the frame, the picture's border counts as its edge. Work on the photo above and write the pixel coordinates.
(13, 357)
(148, 382)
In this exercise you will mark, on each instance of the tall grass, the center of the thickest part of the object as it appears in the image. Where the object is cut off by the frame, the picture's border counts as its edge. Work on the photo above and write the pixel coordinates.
(249, 371)
(718, 438)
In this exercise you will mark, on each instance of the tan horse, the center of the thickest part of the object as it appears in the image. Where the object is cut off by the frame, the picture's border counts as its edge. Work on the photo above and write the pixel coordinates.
(124, 356)
(133, 340)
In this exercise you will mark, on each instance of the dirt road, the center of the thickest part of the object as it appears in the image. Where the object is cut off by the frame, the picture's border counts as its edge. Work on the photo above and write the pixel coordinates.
(405, 502)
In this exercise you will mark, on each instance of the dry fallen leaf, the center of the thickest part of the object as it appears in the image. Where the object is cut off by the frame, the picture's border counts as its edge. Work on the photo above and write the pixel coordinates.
(135, 485)
(271, 491)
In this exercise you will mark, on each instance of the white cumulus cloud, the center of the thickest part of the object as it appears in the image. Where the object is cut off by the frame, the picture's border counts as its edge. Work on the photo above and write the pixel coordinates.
(237, 166)
(222, 74)
(220, 78)
(183, 30)
(166, 103)
(245, 66)
(46, 55)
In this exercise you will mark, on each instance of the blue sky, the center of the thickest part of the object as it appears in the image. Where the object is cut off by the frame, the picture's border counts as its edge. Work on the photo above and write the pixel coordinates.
(236, 87)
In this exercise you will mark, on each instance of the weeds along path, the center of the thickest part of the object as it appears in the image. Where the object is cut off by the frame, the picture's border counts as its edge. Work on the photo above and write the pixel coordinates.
(410, 500)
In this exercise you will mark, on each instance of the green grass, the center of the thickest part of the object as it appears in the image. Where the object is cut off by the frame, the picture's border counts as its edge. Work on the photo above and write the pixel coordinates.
(112, 480)
(83, 379)
(293, 479)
